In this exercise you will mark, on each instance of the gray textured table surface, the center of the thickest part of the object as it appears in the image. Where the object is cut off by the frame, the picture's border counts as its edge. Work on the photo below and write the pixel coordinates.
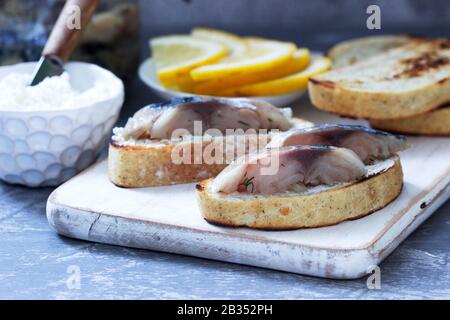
(34, 261)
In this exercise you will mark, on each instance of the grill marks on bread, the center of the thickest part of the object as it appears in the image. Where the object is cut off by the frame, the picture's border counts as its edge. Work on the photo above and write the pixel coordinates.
(418, 66)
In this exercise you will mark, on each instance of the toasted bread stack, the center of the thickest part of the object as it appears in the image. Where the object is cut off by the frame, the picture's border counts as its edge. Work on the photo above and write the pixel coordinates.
(399, 83)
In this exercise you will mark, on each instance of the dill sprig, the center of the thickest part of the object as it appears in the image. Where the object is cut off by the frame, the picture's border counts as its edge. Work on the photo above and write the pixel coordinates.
(248, 182)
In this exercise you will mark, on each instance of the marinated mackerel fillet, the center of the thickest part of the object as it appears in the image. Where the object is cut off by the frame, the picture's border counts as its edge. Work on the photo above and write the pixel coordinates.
(367, 143)
(160, 120)
(293, 169)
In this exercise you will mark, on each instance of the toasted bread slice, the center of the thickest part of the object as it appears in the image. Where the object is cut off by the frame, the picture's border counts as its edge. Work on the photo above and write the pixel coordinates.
(355, 50)
(403, 82)
(433, 123)
(319, 206)
(145, 164)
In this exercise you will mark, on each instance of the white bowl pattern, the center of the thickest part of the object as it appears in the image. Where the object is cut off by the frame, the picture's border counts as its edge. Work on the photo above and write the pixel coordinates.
(46, 151)
(40, 148)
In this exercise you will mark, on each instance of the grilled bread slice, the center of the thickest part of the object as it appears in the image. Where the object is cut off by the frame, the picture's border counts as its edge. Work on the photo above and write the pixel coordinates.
(355, 50)
(433, 123)
(135, 164)
(315, 207)
(403, 82)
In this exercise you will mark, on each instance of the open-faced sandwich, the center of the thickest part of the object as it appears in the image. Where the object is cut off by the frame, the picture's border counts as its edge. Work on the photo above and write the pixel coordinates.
(166, 143)
(309, 177)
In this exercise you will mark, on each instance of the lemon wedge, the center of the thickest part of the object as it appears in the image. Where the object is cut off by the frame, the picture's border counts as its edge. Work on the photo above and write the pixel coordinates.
(299, 61)
(235, 44)
(261, 55)
(176, 55)
(282, 85)
(181, 83)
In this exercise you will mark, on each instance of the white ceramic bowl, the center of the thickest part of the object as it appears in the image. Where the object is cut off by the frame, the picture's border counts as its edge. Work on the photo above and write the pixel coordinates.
(148, 75)
(46, 148)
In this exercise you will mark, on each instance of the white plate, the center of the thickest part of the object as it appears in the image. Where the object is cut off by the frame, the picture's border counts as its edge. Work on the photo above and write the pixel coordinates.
(148, 75)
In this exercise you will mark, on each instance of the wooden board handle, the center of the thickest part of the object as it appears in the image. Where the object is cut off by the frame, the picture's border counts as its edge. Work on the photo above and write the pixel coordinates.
(66, 33)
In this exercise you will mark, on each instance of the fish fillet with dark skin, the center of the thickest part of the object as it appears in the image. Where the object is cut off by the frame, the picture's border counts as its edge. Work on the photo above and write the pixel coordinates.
(296, 168)
(160, 121)
(367, 143)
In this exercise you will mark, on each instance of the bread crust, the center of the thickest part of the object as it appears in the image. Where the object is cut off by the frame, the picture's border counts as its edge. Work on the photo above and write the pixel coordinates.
(352, 51)
(303, 211)
(347, 97)
(329, 96)
(433, 123)
(137, 166)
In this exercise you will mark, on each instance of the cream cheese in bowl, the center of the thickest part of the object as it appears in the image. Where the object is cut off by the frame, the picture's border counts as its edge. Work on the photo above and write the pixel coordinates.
(51, 131)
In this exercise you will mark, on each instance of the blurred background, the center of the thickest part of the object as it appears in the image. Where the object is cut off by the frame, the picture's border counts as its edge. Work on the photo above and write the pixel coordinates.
(121, 28)
(111, 39)
(317, 23)
(117, 37)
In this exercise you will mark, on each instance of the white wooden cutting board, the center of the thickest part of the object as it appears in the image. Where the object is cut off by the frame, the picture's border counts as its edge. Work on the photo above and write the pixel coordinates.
(89, 207)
